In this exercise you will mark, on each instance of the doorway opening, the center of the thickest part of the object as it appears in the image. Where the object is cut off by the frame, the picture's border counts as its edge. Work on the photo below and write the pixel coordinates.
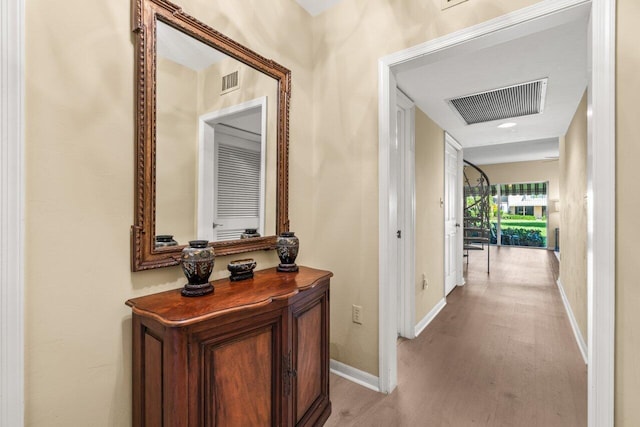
(231, 173)
(601, 179)
(519, 215)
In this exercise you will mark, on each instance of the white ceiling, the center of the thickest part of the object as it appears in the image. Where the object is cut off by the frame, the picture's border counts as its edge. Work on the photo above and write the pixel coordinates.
(553, 48)
(546, 149)
(185, 50)
(316, 7)
(248, 120)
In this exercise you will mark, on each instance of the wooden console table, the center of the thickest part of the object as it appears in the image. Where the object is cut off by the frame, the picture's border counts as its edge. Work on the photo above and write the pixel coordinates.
(252, 353)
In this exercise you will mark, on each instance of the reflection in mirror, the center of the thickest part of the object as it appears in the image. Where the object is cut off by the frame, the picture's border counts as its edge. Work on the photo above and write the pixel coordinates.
(215, 144)
(231, 181)
(212, 140)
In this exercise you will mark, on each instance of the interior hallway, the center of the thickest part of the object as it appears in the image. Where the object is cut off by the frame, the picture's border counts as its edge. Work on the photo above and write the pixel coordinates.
(501, 353)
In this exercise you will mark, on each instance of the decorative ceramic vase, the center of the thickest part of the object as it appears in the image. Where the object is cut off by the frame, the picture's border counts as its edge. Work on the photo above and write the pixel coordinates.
(197, 264)
(287, 245)
(164, 240)
(241, 269)
(249, 233)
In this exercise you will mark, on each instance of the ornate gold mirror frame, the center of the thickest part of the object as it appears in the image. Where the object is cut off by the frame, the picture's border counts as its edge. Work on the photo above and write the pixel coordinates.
(145, 14)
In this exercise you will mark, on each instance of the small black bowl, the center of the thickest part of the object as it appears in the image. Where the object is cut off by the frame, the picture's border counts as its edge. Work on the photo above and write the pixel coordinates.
(241, 269)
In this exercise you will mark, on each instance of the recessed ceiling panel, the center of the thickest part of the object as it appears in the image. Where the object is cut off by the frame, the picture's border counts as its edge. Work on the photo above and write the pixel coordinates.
(553, 48)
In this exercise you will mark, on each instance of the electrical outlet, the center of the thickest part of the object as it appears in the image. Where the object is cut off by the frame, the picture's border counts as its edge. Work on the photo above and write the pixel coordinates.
(356, 314)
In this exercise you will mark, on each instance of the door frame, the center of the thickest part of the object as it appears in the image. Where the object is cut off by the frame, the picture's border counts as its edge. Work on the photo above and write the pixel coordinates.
(12, 215)
(407, 224)
(499, 213)
(459, 281)
(205, 151)
(600, 182)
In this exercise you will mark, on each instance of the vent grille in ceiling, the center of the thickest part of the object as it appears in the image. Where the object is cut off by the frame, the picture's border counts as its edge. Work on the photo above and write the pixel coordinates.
(512, 101)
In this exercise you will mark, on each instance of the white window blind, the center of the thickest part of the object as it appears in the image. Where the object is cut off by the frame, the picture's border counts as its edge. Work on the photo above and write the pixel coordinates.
(238, 181)
(232, 234)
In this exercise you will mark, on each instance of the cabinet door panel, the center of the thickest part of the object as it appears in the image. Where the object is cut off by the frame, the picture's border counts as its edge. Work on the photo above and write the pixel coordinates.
(310, 348)
(240, 379)
(153, 392)
(309, 366)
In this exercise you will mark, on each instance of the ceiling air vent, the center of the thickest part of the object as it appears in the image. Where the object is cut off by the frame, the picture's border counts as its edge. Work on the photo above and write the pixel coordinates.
(230, 82)
(513, 101)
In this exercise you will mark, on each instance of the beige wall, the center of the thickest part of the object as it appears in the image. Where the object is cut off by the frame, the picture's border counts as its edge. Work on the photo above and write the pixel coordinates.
(627, 378)
(79, 181)
(537, 171)
(176, 151)
(429, 214)
(79, 192)
(183, 96)
(349, 39)
(253, 85)
(573, 215)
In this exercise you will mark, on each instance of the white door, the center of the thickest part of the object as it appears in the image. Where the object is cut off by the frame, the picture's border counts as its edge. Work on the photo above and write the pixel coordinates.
(400, 119)
(231, 170)
(236, 201)
(403, 156)
(451, 220)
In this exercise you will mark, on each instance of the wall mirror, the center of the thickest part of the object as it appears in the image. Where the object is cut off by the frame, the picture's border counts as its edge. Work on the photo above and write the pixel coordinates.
(212, 124)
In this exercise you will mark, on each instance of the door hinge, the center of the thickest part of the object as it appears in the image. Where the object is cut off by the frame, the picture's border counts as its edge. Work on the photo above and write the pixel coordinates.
(399, 234)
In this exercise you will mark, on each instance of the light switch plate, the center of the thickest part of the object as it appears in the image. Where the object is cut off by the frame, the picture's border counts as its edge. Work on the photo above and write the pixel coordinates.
(356, 314)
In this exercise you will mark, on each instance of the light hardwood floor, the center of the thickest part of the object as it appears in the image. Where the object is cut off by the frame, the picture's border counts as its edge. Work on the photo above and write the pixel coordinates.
(501, 353)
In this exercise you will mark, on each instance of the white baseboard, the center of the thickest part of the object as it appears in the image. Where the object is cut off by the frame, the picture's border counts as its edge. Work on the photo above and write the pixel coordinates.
(357, 376)
(367, 380)
(582, 345)
(430, 316)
